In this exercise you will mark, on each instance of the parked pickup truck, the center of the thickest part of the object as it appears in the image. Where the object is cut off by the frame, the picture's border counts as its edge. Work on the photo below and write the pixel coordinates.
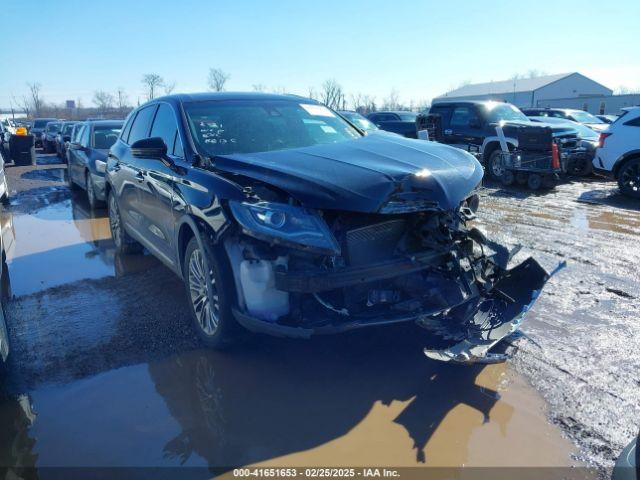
(471, 125)
(401, 122)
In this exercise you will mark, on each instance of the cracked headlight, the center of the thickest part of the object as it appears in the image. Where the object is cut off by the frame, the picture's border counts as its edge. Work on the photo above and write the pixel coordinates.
(285, 224)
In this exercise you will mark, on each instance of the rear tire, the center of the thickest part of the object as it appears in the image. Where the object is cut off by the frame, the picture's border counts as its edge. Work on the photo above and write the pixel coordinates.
(629, 178)
(123, 241)
(211, 294)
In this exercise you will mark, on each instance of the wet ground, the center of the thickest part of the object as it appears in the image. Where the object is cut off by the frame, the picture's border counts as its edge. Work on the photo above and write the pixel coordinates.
(105, 370)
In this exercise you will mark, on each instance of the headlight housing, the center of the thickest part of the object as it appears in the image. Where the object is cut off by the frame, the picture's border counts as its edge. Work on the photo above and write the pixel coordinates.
(285, 224)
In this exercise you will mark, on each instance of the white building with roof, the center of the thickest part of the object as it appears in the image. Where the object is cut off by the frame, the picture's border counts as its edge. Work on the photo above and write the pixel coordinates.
(530, 92)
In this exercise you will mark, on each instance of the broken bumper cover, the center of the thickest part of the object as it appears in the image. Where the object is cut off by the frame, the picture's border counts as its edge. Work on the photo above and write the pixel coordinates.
(498, 315)
(487, 321)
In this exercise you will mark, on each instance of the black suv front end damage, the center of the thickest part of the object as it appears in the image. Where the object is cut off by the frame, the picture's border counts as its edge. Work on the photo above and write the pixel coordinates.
(426, 267)
(304, 266)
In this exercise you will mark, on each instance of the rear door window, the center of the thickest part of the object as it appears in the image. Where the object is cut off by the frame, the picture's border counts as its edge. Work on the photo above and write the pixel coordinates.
(124, 136)
(142, 124)
(444, 112)
(165, 126)
(461, 117)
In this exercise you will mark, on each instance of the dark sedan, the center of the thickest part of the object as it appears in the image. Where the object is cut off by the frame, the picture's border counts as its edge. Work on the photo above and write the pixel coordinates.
(49, 135)
(87, 157)
(400, 122)
(38, 127)
(284, 219)
(63, 138)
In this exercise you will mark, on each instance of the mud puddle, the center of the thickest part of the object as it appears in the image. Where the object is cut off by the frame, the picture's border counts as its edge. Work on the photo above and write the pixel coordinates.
(60, 243)
(366, 399)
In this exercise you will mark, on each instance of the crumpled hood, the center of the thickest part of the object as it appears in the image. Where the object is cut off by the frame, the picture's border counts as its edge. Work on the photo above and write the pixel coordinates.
(363, 174)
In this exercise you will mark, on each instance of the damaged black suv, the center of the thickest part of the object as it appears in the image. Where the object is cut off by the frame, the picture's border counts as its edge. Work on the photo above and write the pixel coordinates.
(283, 218)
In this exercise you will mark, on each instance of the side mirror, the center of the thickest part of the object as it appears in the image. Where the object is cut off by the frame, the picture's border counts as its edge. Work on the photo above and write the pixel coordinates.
(153, 147)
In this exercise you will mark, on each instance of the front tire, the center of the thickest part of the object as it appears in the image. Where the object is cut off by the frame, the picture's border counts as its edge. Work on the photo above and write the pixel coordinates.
(211, 293)
(123, 241)
(494, 167)
(629, 178)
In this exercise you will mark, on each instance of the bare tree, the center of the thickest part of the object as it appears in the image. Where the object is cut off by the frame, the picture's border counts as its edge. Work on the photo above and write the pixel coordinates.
(312, 94)
(280, 90)
(103, 100)
(258, 87)
(392, 101)
(624, 90)
(35, 97)
(151, 82)
(217, 79)
(332, 95)
(121, 98)
(24, 104)
(169, 87)
(363, 103)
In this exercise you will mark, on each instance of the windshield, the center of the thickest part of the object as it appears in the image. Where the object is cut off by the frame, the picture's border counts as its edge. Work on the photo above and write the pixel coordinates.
(584, 117)
(359, 121)
(503, 112)
(250, 126)
(105, 136)
(53, 127)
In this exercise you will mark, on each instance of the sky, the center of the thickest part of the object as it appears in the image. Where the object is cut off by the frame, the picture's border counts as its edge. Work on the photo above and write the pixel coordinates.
(419, 48)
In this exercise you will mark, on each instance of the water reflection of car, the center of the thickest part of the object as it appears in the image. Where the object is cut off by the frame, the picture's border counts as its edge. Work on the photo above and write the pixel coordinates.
(575, 115)
(580, 165)
(88, 158)
(281, 217)
(359, 121)
(63, 138)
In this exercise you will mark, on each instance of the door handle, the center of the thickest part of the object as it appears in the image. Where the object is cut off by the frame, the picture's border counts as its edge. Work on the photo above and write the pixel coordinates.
(139, 177)
(448, 131)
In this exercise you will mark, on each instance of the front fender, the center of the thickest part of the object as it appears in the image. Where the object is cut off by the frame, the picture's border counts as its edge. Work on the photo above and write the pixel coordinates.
(495, 139)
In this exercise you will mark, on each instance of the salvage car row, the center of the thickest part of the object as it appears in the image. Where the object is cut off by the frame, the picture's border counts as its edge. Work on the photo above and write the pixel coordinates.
(534, 146)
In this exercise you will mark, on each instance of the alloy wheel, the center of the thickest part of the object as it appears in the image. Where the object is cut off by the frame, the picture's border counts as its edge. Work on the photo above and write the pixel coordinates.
(114, 222)
(630, 178)
(204, 294)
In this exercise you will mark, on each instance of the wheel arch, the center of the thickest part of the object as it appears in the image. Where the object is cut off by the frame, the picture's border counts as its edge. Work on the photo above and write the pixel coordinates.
(191, 226)
(627, 157)
(490, 144)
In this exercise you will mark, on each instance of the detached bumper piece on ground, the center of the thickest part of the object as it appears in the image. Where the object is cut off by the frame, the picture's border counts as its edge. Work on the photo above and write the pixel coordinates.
(498, 315)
